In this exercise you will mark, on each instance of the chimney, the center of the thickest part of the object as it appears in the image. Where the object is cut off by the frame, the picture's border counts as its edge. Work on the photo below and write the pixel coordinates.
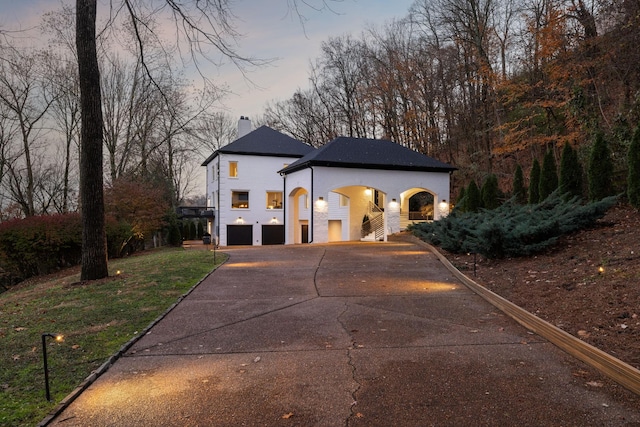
(244, 126)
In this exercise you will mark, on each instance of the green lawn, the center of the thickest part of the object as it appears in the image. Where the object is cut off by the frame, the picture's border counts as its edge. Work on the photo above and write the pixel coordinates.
(96, 318)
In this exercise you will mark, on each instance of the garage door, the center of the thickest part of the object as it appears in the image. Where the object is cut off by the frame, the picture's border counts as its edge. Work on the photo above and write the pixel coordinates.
(239, 235)
(273, 234)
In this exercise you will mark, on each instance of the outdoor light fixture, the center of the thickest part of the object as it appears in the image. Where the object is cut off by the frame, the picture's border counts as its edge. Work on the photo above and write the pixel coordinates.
(393, 200)
(58, 338)
(321, 204)
(239, 220)
(274, 220)
(367, 191)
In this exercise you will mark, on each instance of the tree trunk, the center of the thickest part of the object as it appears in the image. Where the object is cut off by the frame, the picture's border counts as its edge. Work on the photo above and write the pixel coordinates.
(94, 248)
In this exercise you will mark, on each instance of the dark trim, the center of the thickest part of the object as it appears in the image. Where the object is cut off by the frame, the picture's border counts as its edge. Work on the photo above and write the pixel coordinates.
(330, 164)
(312, 206)
(246, 153)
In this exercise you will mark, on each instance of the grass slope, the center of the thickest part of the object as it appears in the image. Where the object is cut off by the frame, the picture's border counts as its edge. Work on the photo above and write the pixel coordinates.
(96, 318)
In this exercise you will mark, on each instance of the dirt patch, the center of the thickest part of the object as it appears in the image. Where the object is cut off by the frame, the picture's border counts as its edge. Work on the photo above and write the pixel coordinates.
(588, 284)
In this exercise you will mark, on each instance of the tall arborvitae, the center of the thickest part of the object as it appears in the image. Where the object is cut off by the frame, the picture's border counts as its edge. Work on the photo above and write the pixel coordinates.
(633, 179)
(600, 169)
(548, 175)
(534, 182)
(570, 172)
(490, 192)
(519, 192)
(461, 201)
(474, 199)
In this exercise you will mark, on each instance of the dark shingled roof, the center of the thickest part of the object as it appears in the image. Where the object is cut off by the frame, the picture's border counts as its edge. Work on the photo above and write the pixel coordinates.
(363, 153)
(264, 141)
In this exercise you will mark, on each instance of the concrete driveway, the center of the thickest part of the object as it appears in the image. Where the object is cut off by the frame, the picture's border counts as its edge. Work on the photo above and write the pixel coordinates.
(363, 334)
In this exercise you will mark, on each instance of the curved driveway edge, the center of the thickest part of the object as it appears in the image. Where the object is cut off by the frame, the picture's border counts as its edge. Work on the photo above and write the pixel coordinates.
(344, 335)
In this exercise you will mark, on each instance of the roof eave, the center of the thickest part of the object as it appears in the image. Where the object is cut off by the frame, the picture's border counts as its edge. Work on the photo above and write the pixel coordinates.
(407, 168)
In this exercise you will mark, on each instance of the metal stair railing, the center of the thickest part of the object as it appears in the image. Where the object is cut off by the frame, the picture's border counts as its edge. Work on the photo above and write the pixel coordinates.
(375, 224)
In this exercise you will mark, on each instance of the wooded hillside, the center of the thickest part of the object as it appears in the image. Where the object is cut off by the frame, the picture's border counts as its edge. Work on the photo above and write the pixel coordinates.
(482, 84)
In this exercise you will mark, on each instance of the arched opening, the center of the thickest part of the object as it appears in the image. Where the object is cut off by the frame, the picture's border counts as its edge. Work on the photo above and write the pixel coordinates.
(298, 216)
(421, 206)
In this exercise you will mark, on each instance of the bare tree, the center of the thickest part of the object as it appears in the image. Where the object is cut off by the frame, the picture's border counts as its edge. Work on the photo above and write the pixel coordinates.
(213, 131)
(26, 97)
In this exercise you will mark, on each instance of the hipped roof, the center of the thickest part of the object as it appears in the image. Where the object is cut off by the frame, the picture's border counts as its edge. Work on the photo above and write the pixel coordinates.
(346, 152)
(263, 141)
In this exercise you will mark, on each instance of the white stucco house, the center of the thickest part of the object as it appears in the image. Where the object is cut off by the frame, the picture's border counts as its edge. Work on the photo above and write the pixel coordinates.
(268, 188)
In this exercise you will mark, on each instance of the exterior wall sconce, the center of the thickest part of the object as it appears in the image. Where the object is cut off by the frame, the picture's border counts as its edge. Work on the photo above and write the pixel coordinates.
(274, 220)
(58, 338)
(320, 203)
(443, 207)
(239, 220)
(367, 191)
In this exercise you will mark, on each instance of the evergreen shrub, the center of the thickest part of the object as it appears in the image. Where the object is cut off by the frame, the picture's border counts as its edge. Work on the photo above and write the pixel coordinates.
(473, 197)
(548, 176)
(519, 191)
(633, 178)
(512, 230)
(534, 183)
(570, 172)
(490, 192)
(600, 169)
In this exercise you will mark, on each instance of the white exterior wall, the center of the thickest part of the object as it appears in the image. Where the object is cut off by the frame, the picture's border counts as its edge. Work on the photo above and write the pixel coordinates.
(257, 175)
(352, 182)
(339, 214)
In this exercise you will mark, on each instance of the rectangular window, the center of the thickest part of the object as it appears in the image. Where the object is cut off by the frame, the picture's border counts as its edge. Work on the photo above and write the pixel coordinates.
(274, 199)
(240, 199)
(344, 201)
(233, 169)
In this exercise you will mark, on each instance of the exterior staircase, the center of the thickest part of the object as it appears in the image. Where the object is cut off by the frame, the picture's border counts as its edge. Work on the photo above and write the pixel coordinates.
(373, 229)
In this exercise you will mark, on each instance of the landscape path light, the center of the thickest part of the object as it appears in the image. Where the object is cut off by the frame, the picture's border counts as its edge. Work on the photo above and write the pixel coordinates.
(58, 338)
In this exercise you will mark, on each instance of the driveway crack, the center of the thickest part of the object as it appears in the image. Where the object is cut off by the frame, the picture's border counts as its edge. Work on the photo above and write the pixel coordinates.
(352, 365)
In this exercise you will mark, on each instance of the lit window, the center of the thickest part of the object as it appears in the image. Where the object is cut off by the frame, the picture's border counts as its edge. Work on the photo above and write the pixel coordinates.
(274, 200)
(240, 199)
(233, 169)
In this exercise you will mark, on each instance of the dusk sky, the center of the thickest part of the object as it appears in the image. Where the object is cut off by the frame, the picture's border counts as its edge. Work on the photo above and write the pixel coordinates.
(271, 31)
